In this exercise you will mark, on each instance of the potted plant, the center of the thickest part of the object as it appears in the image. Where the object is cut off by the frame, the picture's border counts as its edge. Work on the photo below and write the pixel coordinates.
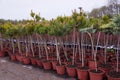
(105, 65)
(2, 30)
(96, 73)
(36, 19)
(115, 74)
(17, 36)
(10, 32)
(42, 32)
(55, 30)
(82, 70)
(71, 68)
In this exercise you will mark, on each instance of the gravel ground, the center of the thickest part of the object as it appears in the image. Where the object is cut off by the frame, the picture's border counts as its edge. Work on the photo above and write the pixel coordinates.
(17, 71)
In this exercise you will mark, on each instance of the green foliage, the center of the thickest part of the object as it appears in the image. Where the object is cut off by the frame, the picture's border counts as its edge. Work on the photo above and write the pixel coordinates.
(80, 19)
(32, 14)
(116, 20)
(62, 25)
(2, 29)
(36, 17)
(29, 29)
(113, 27)
(41, 29)
(11, 32)
(56, 30)
(23, 31)
(20, 31)
(105, 19)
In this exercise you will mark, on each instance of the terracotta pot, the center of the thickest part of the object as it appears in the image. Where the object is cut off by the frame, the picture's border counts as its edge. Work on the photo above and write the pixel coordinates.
(96, 75)
(60, 69)
(79, 63)
(47, 65)
(39, 63)
(54, 64)
(105, 67)
(29, 54)
(33, 61)
(113, 78)
(71, 70)
(19, 57)
(13, 57)
(2, 53)
(49, 58)
(92, 65)
(67, 62)
(101, 58)
(26, 60)
(89, 58)
(16, 55)
(54, 58)
(82, 74)
(114, 67)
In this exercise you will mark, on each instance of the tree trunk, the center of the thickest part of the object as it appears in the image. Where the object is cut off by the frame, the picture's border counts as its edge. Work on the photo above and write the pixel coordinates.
(46, 50)
(65, 53)
(26, 48)
(82, 49)
(91, 43)
(38, 47)
(19, 48)
(98, 38)
(117, 56)
(105, 50)
(13, 48)
(1, 42)
(57, 51)
(74, 38)
(31, 42)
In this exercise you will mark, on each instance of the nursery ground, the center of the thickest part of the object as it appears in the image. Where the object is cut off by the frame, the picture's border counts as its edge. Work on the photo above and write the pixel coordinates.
(17, 71)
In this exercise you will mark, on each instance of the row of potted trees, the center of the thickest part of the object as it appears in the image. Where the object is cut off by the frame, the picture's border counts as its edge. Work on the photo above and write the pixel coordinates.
(78, 53)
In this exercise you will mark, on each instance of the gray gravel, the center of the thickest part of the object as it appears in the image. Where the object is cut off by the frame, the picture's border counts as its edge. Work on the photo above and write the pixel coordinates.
(17, 71)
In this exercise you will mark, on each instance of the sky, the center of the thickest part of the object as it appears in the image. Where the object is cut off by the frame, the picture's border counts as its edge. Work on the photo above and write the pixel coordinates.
(20, 9)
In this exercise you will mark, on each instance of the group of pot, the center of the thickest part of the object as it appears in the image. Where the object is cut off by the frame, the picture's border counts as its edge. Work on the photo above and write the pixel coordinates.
(88, 72)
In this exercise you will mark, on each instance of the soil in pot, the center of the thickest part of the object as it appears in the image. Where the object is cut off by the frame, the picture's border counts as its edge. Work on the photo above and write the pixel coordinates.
(105, 67)
(96, 75)
(60, 69)
(47, 64)
(79, 63)
(49, 58)
(71, 70)
(82, 73)
(54, 58)
(113, 75)
(113, 60)
(67, 62)
(114, 67)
